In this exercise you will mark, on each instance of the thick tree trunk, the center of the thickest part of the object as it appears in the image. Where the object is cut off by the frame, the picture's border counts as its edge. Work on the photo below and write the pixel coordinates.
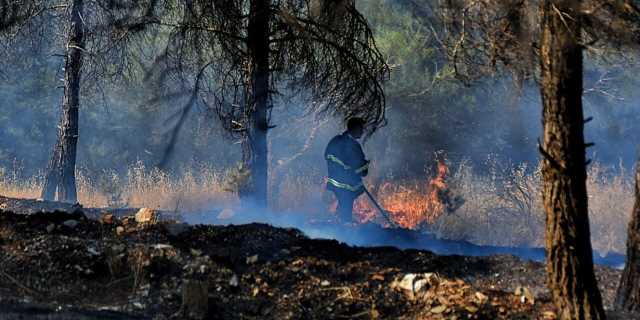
(60, 181)
(257, 160)
(628, 296)
(571, 278)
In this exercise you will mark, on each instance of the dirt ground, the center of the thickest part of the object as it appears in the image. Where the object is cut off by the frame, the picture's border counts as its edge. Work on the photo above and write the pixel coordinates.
(68, 266)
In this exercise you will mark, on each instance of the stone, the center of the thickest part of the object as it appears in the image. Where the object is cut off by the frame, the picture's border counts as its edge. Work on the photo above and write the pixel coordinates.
(415, 285)
(526, 296)
(70, 223)
(234, 282)
(420, 285)
(146, 216)
(406, 283)
(51, 227)
(252, 259)
(480, 297)
(161, 246)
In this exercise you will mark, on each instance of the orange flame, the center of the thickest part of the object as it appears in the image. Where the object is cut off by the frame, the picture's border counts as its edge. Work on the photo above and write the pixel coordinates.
(411, 206)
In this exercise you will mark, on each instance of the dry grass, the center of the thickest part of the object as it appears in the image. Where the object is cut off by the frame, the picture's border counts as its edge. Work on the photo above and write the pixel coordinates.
(12, 185)
(610, 204)
(502, 207)
(505, 207)
(194, 191)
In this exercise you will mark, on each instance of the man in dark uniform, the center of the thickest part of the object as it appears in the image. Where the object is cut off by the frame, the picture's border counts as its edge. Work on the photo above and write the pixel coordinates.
(346, 166)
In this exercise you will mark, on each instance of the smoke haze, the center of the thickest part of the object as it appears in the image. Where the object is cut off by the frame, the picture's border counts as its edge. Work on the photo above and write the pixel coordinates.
(489, 123)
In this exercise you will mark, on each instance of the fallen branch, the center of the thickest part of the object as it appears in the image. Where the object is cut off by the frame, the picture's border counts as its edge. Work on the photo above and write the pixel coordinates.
(19, 284)
(117, 281)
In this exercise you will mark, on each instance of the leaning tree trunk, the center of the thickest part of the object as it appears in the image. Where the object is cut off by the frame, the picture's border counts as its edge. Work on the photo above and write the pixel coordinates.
(628, 296)
(569, 258)
(60, 181)
(258, 40)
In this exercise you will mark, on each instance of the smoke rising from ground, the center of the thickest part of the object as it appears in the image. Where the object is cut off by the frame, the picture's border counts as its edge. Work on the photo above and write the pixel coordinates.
(470, 124)
(488, 127)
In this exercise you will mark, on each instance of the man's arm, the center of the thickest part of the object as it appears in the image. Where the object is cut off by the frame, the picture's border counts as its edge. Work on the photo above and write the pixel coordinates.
(363, 164)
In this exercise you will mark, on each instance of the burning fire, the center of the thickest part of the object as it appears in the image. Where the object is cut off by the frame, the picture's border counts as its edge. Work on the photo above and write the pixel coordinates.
(411, 206)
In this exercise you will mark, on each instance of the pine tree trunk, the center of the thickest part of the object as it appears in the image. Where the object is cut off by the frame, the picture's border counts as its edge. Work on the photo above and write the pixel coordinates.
(571, 278)
(628, 296)
(258, 39)
(60, 181)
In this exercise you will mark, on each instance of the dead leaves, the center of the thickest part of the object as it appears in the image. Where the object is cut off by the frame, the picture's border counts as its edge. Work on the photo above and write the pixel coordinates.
(439, 309)
(293, 279)
(443, 298)
(377, 277)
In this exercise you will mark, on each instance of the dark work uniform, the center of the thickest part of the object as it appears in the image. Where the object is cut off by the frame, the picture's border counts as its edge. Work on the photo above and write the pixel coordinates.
(346, 166)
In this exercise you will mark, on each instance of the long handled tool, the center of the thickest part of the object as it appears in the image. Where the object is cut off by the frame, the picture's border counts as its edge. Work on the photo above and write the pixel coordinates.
(380, 209)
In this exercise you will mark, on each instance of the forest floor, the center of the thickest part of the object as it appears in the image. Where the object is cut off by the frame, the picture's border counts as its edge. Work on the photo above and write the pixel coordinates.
(84, 265)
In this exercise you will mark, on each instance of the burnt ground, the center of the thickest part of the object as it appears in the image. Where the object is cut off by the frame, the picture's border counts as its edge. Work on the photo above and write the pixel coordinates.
(66, 266)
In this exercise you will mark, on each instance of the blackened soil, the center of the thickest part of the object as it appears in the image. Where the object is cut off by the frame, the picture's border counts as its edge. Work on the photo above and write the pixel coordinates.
(73, 267)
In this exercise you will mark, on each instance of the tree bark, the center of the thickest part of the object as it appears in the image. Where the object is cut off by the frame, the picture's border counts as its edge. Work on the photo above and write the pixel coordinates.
(60, 181)
(628, 295)
(258, 43)
(569, 260)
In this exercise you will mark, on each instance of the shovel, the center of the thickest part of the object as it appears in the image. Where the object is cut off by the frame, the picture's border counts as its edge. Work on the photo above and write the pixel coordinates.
(384, 213)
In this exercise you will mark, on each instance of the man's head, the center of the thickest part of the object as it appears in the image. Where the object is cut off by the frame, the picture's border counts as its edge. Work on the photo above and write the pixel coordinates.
(355, 127)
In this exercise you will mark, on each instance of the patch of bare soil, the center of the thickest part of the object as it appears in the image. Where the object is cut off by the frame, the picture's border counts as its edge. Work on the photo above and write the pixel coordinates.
(68, 266)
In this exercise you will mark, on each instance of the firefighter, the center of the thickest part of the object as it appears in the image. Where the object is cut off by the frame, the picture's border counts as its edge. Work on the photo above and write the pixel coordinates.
(346, 166)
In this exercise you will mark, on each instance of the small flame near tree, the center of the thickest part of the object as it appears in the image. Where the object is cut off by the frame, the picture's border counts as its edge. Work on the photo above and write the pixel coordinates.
(410, 206)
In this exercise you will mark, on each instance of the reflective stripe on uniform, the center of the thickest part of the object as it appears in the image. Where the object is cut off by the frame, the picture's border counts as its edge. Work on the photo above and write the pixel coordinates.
(338, 161)
(363, 168)
(344, 185)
